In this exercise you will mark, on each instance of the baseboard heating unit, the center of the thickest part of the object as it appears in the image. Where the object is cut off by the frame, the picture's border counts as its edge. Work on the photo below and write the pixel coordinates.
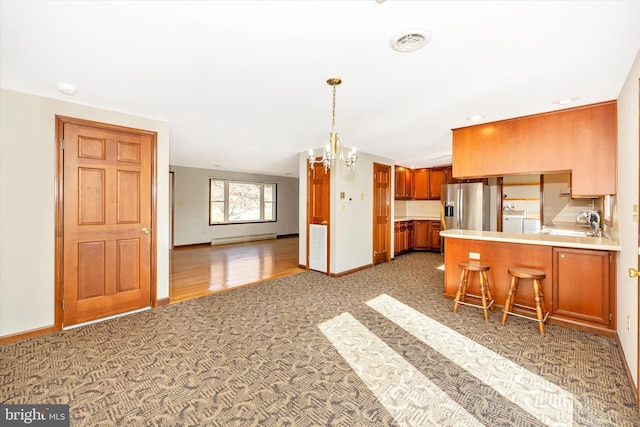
(239, 239)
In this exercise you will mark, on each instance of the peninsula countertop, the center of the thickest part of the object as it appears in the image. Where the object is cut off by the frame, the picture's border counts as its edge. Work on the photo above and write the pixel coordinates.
(597, 243)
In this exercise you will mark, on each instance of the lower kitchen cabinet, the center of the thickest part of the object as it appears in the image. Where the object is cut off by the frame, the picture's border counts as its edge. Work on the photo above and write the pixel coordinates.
(434, 235)
(426, 235)
(410, 236)
(397, 238)
(403, 235)
(421, 236)
(582, 285)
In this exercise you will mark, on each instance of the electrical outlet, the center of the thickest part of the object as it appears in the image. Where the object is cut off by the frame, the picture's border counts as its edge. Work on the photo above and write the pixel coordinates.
(474, 255)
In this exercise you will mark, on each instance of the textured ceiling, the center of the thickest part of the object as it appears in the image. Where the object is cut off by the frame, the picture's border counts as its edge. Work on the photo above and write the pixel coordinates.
(242, 84)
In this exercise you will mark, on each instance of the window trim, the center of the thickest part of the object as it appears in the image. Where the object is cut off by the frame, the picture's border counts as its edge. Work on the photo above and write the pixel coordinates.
(262, 185)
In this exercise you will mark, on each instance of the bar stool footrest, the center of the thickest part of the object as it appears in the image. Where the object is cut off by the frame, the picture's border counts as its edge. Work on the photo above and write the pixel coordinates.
(475, 305)
(524, 316)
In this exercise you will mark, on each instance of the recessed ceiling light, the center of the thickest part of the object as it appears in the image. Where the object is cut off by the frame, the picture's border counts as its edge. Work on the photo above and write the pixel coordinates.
(565, 101)
(410, 40)
(66, 88)
(475, 118)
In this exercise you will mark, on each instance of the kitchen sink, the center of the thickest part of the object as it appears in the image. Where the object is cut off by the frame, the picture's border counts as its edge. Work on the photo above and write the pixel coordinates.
(567, 232)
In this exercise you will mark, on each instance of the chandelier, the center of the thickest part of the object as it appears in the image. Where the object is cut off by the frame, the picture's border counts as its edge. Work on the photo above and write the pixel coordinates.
(334, 149)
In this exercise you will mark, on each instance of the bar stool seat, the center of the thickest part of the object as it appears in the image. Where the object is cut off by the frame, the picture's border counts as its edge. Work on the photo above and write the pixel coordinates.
(485, 289)
(535, 276)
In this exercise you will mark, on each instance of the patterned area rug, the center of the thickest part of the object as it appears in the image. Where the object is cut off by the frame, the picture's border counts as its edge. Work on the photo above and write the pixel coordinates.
(380, 347)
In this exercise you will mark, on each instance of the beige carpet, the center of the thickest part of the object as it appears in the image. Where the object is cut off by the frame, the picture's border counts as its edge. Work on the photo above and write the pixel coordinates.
(375, 348)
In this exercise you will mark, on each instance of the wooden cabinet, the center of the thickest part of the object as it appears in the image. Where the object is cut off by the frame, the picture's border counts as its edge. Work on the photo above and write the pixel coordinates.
(427, 183)
(403, 183)
(409, 236)
(427, 235)
(421, 237)
(437, 177)
(397, 242)
(582, 285)
(403, 235)
(421, 184)
(434, 235)
(582, 140)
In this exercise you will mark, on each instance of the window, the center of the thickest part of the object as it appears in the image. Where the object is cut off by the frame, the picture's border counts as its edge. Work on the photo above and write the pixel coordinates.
(241, 201)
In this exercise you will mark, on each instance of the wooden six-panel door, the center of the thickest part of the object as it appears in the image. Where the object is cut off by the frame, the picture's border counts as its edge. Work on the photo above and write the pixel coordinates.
(107, 221)
(381, 213)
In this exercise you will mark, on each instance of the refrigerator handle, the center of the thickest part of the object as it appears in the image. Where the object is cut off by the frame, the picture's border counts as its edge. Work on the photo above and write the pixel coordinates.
(460, 209)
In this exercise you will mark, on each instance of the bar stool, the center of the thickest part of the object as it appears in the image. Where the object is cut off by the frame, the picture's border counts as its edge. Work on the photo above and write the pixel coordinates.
(536, 276)
(485, 290)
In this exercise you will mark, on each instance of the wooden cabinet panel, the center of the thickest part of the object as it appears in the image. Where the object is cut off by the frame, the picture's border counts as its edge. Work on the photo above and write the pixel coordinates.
(421, 236)
(421, 184)
(426, 235)
(437, 177)
(434, 235)
(427, 182)
(581, 287)
(582, 140)
(403, 183)
(396, 239)
(403, 237)
(595, 134)
(409, 236)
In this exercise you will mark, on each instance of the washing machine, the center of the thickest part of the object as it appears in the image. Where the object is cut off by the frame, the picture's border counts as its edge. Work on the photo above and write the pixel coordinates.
(513, 221)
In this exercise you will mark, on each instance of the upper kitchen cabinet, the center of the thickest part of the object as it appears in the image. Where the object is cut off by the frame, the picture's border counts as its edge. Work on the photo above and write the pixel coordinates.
(437, 177)
(427, 182)
(404, 183)
(421, 184)
(582, 140)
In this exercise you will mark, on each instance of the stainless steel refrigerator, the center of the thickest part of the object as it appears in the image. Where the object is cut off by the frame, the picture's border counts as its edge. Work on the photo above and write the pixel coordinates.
(465, 206)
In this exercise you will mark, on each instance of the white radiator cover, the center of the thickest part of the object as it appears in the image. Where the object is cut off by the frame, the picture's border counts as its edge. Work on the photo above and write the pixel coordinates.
(244, 238)
(318, 248)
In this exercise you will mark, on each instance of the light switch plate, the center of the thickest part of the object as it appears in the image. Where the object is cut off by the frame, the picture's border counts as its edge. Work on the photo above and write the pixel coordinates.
(474, 255)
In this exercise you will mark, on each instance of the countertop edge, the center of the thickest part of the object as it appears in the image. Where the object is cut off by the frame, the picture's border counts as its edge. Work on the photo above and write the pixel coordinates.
(416, 218)
(595, 243)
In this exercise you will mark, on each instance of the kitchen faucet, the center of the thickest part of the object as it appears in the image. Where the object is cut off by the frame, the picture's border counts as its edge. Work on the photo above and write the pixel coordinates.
(593, 218)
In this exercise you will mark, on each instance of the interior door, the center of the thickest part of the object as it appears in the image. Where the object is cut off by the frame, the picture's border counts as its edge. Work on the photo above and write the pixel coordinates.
(381, 213)
(318, 226)
(107, 220)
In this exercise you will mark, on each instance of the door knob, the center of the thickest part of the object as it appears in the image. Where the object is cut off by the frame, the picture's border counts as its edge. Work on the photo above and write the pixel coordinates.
(145, 230)
(633, 272)
(324, 222)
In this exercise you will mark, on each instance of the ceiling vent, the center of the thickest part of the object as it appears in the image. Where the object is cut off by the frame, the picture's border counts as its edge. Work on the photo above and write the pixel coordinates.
(410, 40)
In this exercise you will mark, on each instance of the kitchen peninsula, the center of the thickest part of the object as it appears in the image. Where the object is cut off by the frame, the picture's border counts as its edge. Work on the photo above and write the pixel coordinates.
(579, 288)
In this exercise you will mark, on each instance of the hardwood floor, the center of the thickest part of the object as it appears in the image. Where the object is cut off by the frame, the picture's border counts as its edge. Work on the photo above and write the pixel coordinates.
(204, 269)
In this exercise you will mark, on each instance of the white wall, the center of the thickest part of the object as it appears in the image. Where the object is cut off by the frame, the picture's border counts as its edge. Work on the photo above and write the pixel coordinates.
(628, 172)
(351, 238)
(27, 201)
(191, 210)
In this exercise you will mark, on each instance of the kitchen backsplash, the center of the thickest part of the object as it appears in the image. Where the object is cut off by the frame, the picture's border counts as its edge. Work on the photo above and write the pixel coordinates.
(570, 211)
(417, 208)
